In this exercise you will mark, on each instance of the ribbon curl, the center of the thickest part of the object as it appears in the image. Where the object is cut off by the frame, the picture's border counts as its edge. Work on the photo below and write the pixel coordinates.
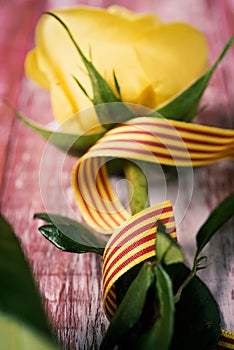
(149, 139)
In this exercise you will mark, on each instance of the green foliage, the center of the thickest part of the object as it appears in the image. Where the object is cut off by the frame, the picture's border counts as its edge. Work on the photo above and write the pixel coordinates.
(216, 219)
(75, 145)
(197, 316)
(16, 335)
(130, 310)
(69, 235)
(167, 249)
(20, 301)
(160, 334)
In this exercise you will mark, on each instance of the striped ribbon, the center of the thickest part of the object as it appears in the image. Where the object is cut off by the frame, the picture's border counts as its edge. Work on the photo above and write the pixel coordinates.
(149, 139)
(130, 245)
(226, 340)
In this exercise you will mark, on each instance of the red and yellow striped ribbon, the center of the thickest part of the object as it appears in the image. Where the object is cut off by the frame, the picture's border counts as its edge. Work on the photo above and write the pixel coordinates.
(226, 341)
(149, 139)
(130, 245)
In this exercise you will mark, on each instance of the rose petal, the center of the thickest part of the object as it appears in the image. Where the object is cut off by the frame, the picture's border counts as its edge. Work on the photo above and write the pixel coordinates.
(172, 56)
(33, 71)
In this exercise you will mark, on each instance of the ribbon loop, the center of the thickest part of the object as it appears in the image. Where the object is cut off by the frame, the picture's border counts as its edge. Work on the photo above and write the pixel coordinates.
(155, 140)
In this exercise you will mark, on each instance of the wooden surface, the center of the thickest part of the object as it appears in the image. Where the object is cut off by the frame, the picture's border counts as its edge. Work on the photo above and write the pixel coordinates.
(71, 284)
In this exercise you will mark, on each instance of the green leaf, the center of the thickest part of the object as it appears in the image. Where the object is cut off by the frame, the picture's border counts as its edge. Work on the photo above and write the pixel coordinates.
(69, 235)
(19, 296)
(75, 145)
(61, 241)
(161, 227)
(215, 220)
(167, 249)
(130, 310)
(197, 318)
(82, 88)
(16, 335)
(160, 334)
(184, 106)
(116, 84)
(109, 107)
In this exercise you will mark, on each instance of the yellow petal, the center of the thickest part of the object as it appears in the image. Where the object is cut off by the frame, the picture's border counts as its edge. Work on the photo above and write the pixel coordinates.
(60, 62)
(144, 20)
(75, 123)
(33, 71)
(172, 56)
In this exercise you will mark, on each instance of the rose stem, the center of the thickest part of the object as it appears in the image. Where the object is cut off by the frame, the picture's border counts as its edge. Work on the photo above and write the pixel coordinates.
(138, 200)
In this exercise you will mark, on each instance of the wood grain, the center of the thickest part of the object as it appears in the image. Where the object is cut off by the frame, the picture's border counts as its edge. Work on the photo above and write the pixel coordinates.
(30, 171)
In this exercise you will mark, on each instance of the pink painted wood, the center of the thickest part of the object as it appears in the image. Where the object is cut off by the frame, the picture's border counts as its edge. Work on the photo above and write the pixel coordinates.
(30, 171)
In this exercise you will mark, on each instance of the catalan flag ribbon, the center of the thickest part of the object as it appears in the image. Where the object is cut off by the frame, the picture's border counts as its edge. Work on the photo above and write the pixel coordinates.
(226, 340)
(154, 140)
(130, 245)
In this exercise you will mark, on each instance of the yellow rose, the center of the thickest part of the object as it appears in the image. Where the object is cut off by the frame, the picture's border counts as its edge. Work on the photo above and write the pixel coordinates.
(152, 61)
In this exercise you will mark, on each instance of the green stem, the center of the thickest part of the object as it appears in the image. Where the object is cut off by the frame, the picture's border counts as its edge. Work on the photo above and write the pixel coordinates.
(137, 181)
(184, 284)
(196, 266)
(138, 196)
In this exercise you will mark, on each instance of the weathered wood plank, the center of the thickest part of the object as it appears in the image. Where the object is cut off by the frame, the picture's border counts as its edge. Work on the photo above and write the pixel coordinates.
(15, 33)
(71, 284)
